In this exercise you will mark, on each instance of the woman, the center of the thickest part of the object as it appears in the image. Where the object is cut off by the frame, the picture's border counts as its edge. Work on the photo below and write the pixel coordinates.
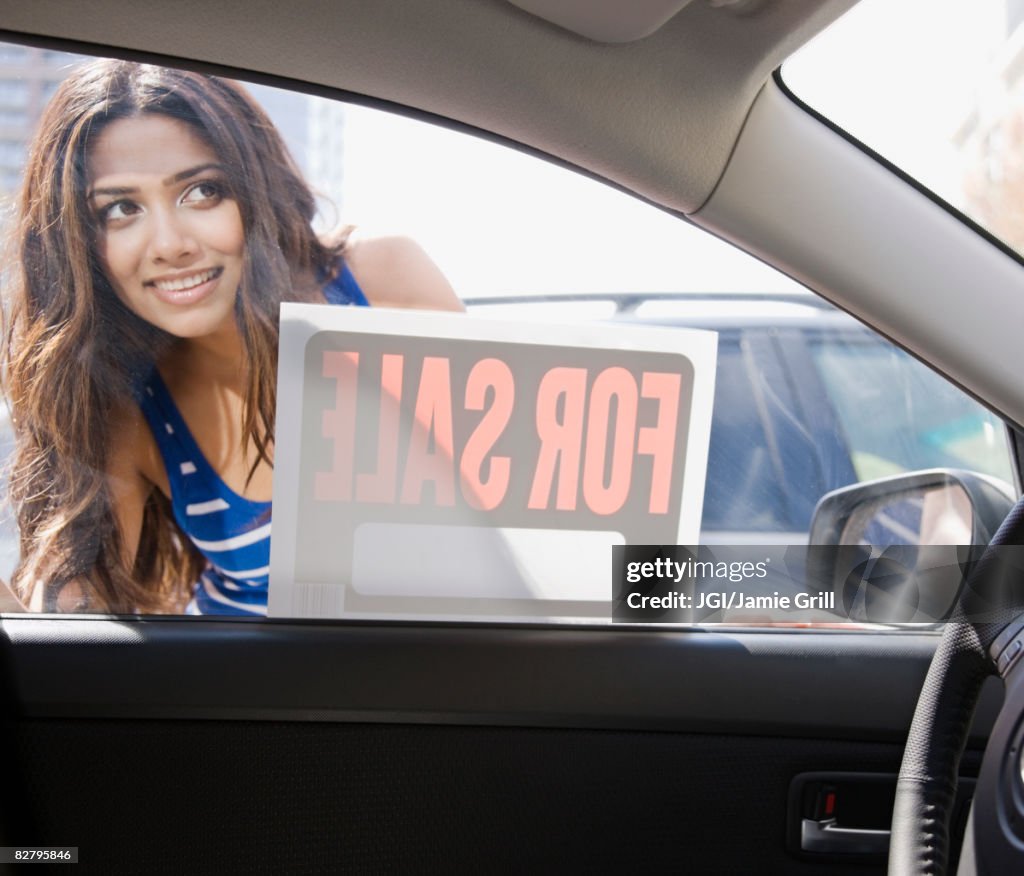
(161, 224)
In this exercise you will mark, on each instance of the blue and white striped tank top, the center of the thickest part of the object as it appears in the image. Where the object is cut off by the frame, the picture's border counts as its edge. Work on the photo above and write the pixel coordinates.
(232, 532)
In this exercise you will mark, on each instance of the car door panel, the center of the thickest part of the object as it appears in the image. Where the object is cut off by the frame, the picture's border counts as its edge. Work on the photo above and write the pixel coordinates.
(261, 746)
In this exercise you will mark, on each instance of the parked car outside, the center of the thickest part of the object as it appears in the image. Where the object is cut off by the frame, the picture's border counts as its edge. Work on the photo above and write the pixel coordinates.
(795, 379)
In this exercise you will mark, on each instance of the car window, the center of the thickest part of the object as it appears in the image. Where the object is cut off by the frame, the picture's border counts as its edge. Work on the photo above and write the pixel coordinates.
(805, 399)
(745, 491)
(932, 423)
(963, 83)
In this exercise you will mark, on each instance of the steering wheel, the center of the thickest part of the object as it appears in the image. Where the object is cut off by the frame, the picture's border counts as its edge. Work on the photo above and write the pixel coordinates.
(984, 636)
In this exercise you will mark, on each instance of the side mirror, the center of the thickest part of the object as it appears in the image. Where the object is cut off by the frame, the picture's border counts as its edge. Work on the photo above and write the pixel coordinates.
(898, 549)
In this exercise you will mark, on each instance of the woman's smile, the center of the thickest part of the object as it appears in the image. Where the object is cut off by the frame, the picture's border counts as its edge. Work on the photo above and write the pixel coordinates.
(169, 232)
(187, 288)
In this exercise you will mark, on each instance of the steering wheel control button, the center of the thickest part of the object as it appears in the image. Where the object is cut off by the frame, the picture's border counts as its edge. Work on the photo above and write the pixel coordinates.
(1012, 631)
(1010, 655)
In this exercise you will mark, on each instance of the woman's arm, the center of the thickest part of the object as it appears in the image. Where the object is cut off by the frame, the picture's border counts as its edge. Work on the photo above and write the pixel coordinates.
(132, 469)
(396, 272)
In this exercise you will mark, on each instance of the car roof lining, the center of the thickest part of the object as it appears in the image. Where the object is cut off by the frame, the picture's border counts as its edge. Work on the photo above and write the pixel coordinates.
(606, 20)
(658, 116)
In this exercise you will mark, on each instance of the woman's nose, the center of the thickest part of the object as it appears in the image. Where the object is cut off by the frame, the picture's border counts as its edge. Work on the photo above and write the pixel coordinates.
(171, 239)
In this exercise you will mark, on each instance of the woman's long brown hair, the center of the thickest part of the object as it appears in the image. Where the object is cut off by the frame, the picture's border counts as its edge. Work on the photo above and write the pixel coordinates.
(73, 355)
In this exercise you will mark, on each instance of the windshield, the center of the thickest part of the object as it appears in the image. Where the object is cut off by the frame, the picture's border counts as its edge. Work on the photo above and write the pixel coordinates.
(962, 86)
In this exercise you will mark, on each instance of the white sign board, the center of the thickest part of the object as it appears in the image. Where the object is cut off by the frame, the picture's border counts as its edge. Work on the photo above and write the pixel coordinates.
(437, 465)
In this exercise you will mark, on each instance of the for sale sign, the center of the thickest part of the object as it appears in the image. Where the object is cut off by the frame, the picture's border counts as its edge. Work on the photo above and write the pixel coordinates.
(440, 465)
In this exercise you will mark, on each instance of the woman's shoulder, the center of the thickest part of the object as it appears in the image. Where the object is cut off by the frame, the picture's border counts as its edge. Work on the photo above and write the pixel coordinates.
(395, 271)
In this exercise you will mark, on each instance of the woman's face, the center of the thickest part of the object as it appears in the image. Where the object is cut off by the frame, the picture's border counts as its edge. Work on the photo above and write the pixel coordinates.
(170, 238)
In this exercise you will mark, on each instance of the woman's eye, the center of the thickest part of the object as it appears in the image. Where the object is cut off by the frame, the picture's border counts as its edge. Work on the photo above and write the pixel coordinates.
(203, 193)
(116, 210)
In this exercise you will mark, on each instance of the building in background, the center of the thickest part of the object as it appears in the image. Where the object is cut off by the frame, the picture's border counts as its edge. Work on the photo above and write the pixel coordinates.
(991, 139)
(28, 78)
(325, 153)
(314, 129)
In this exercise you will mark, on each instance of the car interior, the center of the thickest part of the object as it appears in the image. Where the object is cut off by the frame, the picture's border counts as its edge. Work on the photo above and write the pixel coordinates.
(163, 744)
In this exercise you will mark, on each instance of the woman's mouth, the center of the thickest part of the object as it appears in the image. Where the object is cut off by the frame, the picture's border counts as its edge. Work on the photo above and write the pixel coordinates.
(186, 288)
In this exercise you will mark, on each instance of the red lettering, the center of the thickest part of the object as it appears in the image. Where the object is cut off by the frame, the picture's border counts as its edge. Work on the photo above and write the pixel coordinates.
(618, 383)
(485, 495)
(593, 465)
(433, 417)
(659, 441)
(560, 440)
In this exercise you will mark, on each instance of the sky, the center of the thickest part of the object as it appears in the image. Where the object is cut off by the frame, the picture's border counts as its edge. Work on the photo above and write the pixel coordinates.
(501, 222)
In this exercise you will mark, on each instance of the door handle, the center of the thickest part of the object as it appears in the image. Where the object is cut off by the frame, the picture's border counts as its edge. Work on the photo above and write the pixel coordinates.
(827, 836)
